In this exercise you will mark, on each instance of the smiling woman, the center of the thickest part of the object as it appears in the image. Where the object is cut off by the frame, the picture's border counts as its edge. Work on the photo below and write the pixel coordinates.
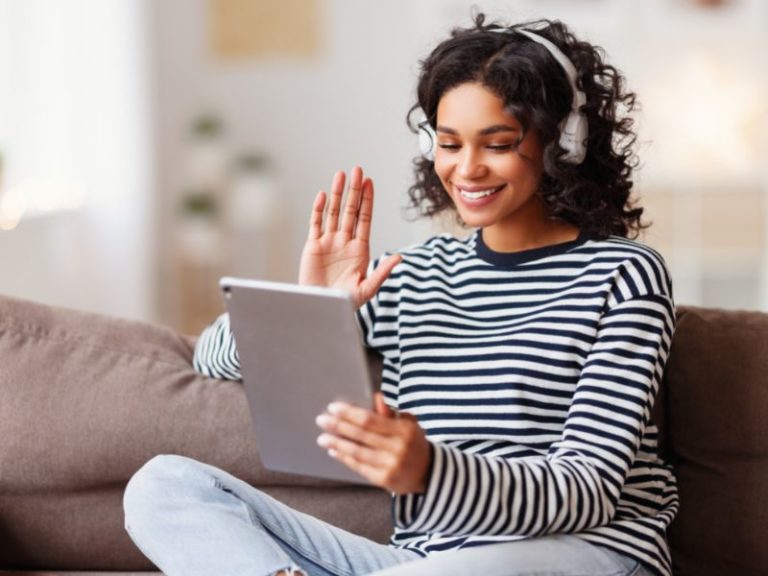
(520, 364)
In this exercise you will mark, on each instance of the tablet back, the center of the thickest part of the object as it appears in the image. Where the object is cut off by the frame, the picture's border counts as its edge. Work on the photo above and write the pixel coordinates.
(300, 348)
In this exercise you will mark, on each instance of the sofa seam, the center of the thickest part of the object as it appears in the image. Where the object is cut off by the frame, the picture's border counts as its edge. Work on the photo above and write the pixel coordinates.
(47, 335)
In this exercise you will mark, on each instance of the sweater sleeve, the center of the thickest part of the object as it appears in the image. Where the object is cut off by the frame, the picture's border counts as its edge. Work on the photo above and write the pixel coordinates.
(216, 352)
(577, 484)
(378, 321)
(378, 316)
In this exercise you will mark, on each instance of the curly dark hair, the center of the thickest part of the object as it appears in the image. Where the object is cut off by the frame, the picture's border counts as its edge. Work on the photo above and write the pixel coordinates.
(594, 195)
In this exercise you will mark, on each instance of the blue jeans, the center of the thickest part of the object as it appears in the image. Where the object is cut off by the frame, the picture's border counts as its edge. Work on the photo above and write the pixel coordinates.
(192, 519)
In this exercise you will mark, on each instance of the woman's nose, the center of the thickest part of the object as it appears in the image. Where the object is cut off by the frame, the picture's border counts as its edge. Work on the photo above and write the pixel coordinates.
(470, 164)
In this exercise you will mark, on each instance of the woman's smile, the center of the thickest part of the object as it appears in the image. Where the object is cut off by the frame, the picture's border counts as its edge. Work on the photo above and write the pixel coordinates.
(477, 196)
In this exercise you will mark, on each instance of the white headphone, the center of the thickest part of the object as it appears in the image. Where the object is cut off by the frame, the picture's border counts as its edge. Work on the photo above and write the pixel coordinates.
(573, 129)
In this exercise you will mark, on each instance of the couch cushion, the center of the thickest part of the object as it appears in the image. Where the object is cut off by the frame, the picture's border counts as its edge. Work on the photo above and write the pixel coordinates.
(86, 400)
(716, 389)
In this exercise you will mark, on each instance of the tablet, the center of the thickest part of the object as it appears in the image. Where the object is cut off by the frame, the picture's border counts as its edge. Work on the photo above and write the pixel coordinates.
(300, 348)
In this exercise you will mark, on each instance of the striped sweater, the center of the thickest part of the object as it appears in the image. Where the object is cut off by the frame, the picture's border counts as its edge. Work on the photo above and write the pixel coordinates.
(533, 375)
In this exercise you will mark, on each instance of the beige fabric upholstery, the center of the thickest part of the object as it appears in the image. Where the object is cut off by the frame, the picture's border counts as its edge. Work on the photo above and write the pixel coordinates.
(717, 429)
(85, 401)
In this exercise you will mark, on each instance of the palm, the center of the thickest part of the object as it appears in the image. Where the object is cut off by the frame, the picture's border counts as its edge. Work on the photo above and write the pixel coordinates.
(335, 262)
(337, 254)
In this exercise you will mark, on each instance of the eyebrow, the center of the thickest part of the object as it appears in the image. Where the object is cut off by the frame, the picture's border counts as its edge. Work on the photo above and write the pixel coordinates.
(495, 129)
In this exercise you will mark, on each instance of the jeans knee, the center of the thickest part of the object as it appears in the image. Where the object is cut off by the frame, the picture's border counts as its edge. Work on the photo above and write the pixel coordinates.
(158, 481)
(292, 571)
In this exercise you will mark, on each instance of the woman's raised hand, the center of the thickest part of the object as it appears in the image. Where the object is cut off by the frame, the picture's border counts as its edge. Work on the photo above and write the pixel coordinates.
(337, 251)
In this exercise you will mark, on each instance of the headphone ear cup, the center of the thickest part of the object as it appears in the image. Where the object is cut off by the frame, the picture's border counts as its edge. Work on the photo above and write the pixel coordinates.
(427, 140)
(573, 135)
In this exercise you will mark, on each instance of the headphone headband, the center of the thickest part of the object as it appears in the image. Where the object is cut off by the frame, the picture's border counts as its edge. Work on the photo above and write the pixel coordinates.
(579, 98)
(573, 129)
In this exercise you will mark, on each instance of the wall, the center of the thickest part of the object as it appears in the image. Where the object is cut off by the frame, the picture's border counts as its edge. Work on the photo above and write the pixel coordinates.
(129, 76)
(343, 107)
(346, 106)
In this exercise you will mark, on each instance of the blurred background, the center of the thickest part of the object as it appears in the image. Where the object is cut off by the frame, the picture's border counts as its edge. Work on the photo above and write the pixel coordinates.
(147, 148)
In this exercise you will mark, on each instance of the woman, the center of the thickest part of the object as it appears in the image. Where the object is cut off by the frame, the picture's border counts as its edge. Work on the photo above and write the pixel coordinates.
(520, 364)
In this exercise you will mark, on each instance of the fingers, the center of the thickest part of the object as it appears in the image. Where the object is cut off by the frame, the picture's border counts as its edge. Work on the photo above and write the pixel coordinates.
(334, 207)
(371, 285)
(316, 218)
(371, 472)
(361, 426)
(355, 422)
(356, 433)
(365, 215)
(391, 452)
(355, 450)
(352, 205)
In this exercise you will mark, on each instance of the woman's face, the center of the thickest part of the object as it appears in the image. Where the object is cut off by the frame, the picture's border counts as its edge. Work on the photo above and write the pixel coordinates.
(492, 184)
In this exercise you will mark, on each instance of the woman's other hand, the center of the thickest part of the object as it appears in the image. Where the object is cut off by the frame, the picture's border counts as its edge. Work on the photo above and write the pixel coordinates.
(336, 253)
(390, 450)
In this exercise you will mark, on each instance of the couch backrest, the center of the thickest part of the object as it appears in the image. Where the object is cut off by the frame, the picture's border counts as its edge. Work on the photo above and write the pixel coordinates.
(85, 401)
(715, 406)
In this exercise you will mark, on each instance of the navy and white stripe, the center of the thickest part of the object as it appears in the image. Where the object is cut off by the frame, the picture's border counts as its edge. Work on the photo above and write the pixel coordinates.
(533, 375)
(216, 352)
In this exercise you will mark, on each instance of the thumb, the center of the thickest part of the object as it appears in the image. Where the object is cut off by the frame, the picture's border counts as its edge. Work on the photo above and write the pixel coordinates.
(381, 407)
(371, 285)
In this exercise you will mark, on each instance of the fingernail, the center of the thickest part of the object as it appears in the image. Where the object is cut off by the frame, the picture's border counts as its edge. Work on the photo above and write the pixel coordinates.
(323, 440)
(335, 407)
(323, 420)
(332, 453)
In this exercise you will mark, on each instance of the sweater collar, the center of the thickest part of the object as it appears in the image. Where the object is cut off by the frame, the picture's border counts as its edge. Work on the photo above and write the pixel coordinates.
(507, 259)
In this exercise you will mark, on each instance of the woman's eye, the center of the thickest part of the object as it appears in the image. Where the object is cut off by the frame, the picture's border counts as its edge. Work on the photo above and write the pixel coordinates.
(493, 147)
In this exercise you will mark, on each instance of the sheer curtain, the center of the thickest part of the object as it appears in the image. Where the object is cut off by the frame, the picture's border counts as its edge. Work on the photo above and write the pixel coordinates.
(77, 146)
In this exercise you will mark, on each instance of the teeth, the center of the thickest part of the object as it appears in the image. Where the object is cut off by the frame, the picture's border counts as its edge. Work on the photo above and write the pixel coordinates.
(478, 194)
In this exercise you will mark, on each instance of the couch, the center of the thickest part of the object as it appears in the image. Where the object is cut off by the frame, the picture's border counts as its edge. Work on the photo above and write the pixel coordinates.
(86, 400)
